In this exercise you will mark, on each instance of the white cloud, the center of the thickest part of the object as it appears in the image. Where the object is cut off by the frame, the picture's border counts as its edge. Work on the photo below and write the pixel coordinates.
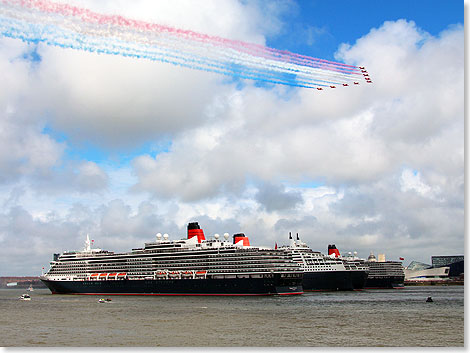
(25, 150)
(418, 79)
(368, 240)
(276, 197)
(91, 177)
(118, 102)
(412, 181)
(351, 135)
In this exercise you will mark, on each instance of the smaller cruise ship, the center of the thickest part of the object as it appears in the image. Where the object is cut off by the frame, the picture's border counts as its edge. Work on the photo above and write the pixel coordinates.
(325, 273)
(382, 274)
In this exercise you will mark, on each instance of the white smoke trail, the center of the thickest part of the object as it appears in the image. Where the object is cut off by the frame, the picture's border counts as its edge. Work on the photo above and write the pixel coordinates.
(71, 27)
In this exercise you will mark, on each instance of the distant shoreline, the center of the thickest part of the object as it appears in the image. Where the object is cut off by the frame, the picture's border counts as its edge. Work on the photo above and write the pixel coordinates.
(21, 282)
(435, 283)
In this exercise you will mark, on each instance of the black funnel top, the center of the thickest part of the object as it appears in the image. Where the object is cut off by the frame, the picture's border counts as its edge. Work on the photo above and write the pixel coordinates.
(239, 235)
(193, 225)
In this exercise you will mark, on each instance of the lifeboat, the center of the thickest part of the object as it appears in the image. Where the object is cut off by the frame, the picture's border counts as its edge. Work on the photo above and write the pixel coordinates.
(201, 273)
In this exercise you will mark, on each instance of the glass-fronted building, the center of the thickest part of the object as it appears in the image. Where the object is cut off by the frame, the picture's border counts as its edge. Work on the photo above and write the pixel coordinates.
(439, 261)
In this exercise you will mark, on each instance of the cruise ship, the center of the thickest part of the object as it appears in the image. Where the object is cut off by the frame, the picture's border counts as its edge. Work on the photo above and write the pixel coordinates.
(325, 273)
(382, 274)
(190, 266)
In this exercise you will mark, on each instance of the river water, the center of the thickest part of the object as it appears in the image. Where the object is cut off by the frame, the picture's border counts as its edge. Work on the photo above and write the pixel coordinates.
(369, 318)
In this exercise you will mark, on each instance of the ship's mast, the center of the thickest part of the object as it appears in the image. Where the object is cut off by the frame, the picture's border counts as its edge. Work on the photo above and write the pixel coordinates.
(87, 244)
(291, 241)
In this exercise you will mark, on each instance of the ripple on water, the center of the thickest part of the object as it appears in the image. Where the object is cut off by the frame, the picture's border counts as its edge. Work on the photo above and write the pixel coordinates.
(337, 319)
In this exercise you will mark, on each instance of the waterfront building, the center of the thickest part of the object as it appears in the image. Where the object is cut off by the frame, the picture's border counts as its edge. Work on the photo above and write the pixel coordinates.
(417, 274)
(455, 263)
(439, 261)
(443, 268)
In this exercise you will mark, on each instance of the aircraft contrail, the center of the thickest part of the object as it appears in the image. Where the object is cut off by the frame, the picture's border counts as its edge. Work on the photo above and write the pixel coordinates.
(68, 26)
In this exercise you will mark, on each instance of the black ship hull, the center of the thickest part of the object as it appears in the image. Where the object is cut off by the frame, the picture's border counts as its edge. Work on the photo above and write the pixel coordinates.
(334, 280)
(209, 286)
(359, 279)
(388, 282)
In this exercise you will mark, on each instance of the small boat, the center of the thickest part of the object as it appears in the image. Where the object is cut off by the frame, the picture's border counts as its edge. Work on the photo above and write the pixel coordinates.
(25, 297)
(102, 300)
(31, 289)
(429, 300)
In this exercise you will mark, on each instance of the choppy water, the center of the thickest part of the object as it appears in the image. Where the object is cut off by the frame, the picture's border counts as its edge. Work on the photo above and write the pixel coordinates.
(368, 318)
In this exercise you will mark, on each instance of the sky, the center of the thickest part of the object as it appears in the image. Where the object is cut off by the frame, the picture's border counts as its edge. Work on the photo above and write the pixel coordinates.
(123, 148)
